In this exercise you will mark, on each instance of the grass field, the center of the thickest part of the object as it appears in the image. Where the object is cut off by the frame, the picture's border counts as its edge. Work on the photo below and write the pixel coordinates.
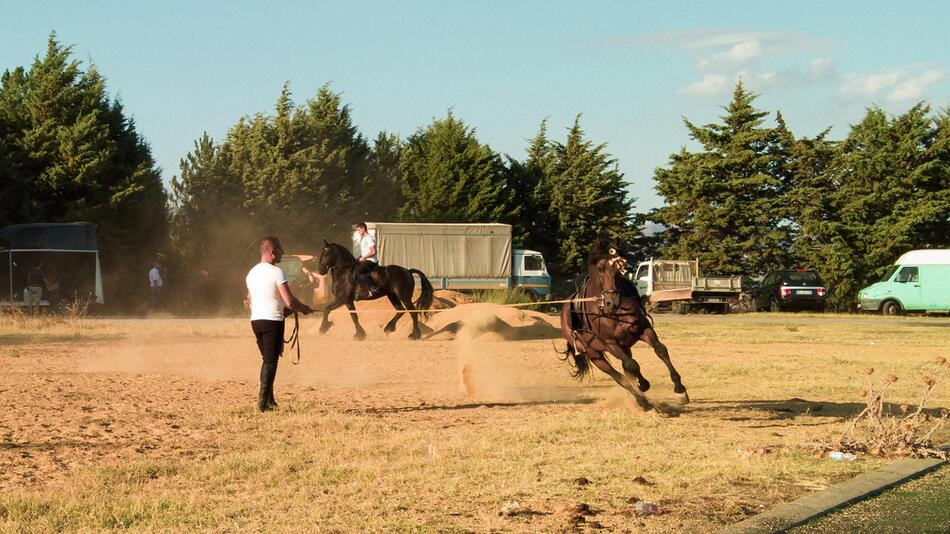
(148, 424)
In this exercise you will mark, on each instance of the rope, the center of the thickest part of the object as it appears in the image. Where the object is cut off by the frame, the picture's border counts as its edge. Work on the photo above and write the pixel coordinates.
(519, 305)
(295, 339)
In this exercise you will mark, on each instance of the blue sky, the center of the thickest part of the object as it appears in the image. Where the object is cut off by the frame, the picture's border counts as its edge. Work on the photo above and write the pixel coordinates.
(633, 69)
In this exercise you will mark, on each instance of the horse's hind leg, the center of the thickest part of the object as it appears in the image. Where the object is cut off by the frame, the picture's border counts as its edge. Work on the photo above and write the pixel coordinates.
(410, 309)
(601, 362)
(391, 325)
(650, 338)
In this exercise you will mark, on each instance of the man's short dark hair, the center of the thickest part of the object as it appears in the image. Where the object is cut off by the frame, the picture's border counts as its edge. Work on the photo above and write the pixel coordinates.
(269, 243)
(361, 225)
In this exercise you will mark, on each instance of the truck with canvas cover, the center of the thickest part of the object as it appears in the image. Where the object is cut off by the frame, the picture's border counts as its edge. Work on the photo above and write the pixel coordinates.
(461, 256)
(918, 281)
(678, 285)
(68, 254)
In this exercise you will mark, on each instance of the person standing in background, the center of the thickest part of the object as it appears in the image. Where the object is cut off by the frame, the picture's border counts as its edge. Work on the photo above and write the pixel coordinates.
(270, 300)
(155, 284)
(35, 284)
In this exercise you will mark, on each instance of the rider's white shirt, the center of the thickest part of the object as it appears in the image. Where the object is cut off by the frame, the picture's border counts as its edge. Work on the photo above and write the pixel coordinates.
(262, 282)
(367, 243)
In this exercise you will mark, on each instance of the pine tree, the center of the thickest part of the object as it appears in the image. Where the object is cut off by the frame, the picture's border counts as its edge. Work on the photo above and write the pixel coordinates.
(885, 192)
(725, 204)
(74, 155)
(448, 176)
(589, 196)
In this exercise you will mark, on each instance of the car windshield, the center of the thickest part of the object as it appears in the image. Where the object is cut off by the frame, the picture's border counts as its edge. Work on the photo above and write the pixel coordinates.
(292, 268)
(802, 277)
(889, 273)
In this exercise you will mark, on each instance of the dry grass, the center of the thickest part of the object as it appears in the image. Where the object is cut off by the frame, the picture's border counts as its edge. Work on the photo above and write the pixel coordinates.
(882, 429)
(148, 425)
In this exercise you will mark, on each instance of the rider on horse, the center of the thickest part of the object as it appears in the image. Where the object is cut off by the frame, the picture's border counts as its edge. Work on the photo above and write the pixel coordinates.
(368, 260)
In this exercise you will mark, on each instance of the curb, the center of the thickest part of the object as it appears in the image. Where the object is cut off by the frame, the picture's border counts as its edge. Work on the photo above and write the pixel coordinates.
(788, 515)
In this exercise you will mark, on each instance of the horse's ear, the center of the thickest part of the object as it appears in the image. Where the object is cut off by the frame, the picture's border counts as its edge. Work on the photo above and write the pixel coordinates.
(597, 244)
(325, 242)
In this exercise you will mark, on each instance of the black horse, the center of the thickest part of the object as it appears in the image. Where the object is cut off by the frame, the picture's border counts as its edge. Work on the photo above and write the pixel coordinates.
(393, 281)
(612, 321)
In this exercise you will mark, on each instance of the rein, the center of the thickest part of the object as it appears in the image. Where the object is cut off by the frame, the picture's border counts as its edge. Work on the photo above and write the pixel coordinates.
(295, 338)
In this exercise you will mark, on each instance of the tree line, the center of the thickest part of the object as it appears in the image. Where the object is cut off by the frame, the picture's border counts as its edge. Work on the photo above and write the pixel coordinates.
(753, 197)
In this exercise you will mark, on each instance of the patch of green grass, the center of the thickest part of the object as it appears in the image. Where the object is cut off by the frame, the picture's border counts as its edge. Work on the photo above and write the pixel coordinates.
(504, 296)
(920, 506)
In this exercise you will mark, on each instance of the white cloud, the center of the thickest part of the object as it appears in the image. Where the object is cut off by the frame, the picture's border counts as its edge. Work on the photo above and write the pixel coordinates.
(822, 69)
(743, 52)
(913, 88)
(711, 84)
(897, 84)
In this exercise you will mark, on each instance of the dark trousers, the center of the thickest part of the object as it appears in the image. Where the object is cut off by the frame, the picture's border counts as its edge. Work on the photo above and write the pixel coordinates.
(270, 341)
(363, 271)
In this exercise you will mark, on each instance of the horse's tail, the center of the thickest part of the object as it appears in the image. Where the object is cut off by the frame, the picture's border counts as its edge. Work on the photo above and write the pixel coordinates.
(426, 296)
(581, 366)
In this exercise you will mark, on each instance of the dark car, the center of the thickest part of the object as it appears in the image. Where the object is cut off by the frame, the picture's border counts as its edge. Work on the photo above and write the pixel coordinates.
(789, 290)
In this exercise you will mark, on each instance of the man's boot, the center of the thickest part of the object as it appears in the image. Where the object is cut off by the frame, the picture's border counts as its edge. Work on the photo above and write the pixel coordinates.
(271, 375)
(266, 388)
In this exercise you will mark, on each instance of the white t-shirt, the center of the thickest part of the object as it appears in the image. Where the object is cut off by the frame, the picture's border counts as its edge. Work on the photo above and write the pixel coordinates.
(154, 277)
(366, 243)
(262, 282)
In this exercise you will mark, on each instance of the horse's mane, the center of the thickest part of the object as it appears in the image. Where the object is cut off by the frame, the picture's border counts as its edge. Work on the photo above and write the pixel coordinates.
(342, 252)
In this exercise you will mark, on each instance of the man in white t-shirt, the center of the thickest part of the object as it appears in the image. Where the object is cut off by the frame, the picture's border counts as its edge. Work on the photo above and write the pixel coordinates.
(368, 260)
(270, 300)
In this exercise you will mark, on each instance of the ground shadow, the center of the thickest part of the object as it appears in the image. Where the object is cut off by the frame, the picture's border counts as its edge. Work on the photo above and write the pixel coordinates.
(469, 406)
(795, 407)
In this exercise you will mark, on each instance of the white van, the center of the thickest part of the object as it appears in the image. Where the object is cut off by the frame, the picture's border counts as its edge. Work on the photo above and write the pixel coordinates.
(918, 281)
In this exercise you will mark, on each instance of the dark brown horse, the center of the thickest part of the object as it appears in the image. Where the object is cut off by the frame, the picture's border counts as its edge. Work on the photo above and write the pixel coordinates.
(394, 282)
(611, 319)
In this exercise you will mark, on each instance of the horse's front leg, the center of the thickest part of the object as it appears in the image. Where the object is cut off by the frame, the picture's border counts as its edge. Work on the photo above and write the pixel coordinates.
(325, 324)
(650, 338)
(630, 366)
(601, 362)
(360, 333)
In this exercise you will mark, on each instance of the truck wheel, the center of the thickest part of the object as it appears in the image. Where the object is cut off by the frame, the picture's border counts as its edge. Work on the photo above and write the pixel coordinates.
(681, 308)
(724, 309)
(775, 306)
(753, 305)
(891, 307)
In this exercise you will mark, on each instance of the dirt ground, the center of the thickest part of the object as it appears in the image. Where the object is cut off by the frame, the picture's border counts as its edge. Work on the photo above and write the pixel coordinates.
(148, 424)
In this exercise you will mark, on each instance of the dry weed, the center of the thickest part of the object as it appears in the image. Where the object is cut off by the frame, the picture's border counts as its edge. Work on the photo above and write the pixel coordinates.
(880, 430)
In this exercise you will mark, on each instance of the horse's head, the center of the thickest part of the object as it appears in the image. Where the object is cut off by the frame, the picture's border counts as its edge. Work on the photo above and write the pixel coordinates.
(327, 258)
(607, 262)
(334, 255)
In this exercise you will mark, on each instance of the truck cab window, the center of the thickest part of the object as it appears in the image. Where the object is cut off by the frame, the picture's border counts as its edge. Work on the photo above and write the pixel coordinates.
(908, 274)
(533, 263)
(643, 272)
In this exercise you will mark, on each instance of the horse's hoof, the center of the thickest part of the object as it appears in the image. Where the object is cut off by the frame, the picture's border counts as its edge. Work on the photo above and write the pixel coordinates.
(644, 385)
(389, 329)
(683, 398)
(359, 336)
(415, 335)
(324, 328)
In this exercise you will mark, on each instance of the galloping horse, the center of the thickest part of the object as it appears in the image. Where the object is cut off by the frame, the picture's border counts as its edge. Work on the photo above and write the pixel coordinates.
(612, 321)
(394, 282)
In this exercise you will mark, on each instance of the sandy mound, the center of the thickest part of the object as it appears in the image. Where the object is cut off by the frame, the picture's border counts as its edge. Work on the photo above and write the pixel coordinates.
(452, 312)
(493, 322)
